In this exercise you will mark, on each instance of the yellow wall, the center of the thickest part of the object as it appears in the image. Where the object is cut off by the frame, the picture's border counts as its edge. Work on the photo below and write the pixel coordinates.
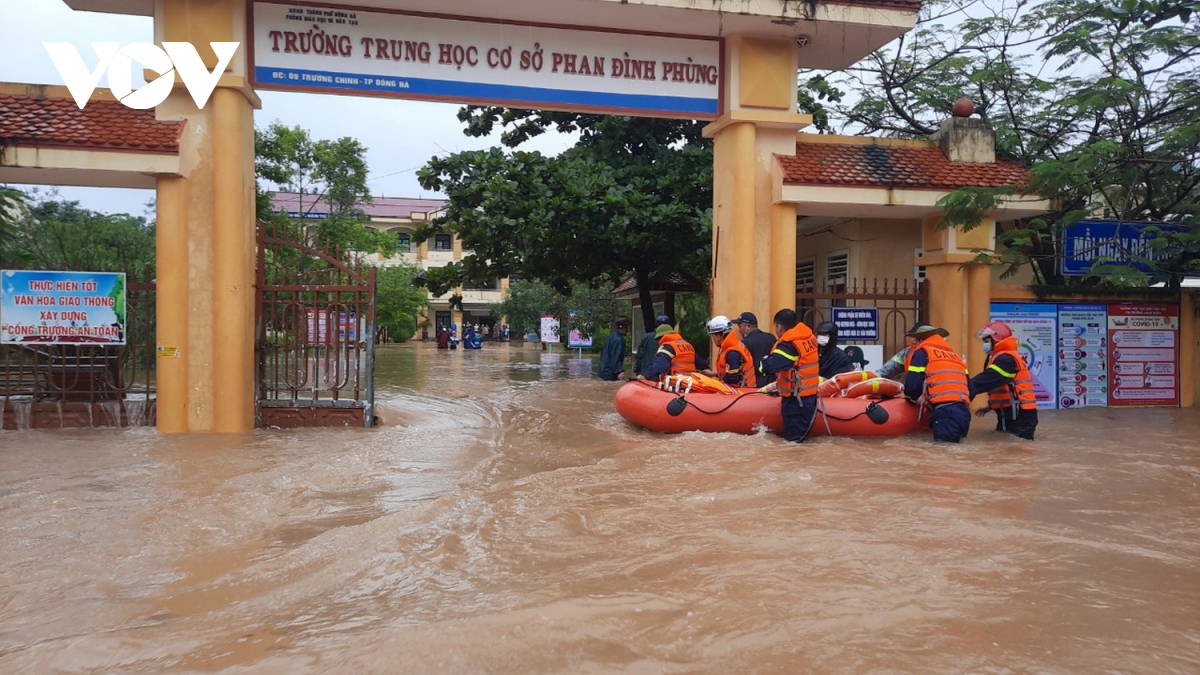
(206, 248)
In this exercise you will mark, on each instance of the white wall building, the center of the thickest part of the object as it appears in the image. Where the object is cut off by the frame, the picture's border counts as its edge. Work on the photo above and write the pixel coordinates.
(401, 216)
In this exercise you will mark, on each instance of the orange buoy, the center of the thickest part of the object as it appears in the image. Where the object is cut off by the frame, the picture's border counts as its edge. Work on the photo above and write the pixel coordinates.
(880, 387)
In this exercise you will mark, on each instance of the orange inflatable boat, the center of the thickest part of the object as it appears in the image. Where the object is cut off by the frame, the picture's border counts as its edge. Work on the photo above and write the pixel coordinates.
(746, 411)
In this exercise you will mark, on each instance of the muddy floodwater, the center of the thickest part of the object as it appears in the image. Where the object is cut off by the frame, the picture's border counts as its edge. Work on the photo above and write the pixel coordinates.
(507, 520)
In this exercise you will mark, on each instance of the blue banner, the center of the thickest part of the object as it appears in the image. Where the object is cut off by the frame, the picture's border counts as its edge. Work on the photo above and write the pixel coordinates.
(857, 323)
(76, 308)
(1087, 241)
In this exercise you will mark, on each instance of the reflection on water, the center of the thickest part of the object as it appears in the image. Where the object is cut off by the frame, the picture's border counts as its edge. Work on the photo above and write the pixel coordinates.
(506, 519)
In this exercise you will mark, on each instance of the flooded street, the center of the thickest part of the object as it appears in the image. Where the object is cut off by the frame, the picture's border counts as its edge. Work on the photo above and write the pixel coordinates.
(507, 520)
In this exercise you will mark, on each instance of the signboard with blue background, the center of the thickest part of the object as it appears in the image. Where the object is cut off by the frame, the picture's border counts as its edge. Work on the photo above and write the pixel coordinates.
(1116, 242)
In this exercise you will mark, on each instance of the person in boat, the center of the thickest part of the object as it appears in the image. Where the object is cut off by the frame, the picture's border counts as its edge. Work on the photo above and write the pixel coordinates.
(612, 357)
(648, 346)
(894, 368)
(795, 363)
(1007, 381)
(675, 356)
(759, 343)
(833, 360)
(937, 378)
(858, 358)
(734, 365)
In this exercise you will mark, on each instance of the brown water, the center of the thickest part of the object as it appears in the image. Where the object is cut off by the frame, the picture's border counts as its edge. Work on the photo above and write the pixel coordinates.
(507, 520)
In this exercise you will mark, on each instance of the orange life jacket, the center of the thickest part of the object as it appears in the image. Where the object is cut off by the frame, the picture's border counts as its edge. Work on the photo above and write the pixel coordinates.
(946, 373)
(746, 372)
(1020, 390)
(803, 378)
(682, 353)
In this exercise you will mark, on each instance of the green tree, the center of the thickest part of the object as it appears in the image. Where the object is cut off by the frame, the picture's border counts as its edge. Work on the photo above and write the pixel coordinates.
(633, 196)
(333, 173)
(398, 301)
(1101, 99)
(528, 301)
(12, 211)
(61, 235)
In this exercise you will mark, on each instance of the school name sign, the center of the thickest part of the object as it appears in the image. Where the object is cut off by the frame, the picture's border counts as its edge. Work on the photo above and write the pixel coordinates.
(374, 53)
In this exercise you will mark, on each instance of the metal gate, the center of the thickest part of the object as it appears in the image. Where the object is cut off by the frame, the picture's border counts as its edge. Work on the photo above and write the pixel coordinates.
(315, 332)
(901, 303)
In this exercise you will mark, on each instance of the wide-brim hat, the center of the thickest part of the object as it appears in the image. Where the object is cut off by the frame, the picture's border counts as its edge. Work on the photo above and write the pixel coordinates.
(663, 330)
(924, 329)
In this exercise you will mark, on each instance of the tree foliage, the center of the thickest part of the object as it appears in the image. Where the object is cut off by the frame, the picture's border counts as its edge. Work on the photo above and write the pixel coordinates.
(528, 301)
(61, 235)
(633, 196)
(331, 173)
(398, 301)
(12, 210)
(1101, 99)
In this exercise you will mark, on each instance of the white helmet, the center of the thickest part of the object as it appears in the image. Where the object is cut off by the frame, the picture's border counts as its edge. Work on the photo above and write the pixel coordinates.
(719, 324)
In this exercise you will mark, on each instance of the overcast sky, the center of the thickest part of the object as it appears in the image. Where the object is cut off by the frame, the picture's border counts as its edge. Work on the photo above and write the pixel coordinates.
(400, 136)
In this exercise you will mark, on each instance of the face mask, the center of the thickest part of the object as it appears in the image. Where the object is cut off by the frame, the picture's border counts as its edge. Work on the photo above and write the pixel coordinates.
(822, 340)
(987, 348)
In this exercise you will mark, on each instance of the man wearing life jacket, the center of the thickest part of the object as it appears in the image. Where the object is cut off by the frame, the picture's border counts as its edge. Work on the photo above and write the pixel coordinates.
(734, 365)
(795, 364)
(1007, 381)
(675, 356)
(644, 357)
(936, 377)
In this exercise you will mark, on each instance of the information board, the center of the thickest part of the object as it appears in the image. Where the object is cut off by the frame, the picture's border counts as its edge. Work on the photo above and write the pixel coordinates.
(1143, 348)
(76, 308)
(549, 332)
(857, 323)
(1035, 326)
(307, 46)
(1083, 378)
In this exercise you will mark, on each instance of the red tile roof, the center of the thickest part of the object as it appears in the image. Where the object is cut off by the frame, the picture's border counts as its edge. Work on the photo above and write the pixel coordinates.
(675, 282)
(101, 125)
(891, 166)
(380, 207)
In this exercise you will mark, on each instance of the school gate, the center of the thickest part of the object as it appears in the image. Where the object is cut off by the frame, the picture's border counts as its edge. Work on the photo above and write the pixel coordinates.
(733, 62)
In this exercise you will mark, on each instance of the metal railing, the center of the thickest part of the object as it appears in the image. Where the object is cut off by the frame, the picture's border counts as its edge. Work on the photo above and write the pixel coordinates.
(901, 303)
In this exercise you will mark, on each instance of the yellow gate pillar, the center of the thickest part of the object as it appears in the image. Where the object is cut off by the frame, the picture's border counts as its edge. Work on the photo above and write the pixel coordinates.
(959, 292)
(205, 234)
(754, 238)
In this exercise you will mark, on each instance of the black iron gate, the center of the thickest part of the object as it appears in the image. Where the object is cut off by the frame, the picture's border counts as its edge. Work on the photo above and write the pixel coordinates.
(901, 303)
(315, 332)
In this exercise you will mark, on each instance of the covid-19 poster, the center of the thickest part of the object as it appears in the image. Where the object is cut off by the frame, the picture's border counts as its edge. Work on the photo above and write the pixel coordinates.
(1082, 356)
(1143, 348)
(1034, 325)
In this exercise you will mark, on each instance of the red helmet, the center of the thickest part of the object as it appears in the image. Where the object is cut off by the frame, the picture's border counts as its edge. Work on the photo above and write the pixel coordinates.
(997, 330)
